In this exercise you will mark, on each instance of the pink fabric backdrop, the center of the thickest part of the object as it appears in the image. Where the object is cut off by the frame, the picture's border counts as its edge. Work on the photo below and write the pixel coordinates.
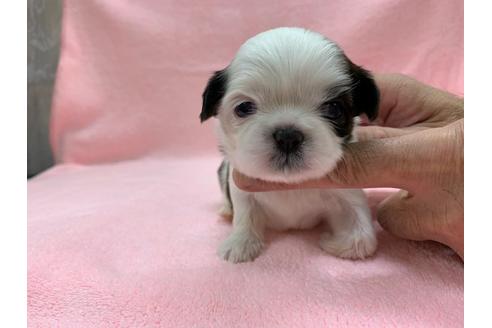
(123, 231)
(132, 72)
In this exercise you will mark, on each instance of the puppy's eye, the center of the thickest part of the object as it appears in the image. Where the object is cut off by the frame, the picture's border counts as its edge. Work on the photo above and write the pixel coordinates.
(244, 109)
(332, 110)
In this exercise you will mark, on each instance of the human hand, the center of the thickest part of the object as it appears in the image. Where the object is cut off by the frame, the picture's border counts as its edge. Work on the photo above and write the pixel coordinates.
(407, 106)
(418, 149)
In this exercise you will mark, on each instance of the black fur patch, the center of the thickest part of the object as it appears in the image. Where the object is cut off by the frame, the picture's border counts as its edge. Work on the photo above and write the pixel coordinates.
(365, 93)
(223, 174)
(212, 95)
(344, 124)
(363, 98)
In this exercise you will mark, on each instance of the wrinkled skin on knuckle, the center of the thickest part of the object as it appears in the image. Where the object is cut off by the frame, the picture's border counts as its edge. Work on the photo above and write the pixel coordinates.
(352, 168)
(340, 174)
(442, 195)
(450, 155)
(451, 186)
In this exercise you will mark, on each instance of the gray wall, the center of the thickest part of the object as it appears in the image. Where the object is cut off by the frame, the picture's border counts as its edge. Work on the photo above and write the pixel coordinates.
(43, 42)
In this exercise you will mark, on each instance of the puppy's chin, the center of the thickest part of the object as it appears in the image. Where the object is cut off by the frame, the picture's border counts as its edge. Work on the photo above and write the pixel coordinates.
(287, 175)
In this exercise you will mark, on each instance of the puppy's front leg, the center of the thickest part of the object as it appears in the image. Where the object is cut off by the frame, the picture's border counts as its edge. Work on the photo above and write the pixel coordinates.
(246, 240)
(352, 233)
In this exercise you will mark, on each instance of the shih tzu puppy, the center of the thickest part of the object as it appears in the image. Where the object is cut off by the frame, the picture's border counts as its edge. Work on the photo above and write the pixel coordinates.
(287, 105)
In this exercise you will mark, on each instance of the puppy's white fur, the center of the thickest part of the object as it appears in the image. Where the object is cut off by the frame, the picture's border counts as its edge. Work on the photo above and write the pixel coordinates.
(288, 72)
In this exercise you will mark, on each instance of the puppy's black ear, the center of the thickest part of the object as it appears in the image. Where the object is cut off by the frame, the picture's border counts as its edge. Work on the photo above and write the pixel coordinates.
(212, 95)
(365, 94)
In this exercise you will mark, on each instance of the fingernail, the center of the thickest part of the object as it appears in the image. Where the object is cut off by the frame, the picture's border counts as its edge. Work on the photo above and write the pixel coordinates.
(404, 194)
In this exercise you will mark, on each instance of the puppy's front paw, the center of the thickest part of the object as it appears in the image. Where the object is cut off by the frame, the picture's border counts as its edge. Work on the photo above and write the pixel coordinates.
(354, 245)
(240, 247)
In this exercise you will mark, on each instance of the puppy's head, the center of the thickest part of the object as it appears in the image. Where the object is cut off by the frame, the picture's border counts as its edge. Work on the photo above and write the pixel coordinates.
(287, 103)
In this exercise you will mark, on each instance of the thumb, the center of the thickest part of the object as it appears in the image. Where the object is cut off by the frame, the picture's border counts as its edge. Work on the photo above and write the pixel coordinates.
(404, 216)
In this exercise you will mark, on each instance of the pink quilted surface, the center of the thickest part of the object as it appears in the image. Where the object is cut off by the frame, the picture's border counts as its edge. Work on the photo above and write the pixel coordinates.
(133, 244)
(123, 232)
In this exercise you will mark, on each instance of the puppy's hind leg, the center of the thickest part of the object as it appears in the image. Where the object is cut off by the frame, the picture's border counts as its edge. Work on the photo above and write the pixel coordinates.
(223, 174)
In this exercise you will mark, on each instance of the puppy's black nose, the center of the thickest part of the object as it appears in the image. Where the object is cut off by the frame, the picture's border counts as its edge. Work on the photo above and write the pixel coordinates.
(288, 139)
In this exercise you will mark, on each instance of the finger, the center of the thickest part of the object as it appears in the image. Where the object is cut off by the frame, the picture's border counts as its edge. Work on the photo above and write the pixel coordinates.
(405, 101)
(402, 100)
(403, 216)
(364, 164)
(375, 163)
(364, 133)
(390, 86)
(247, 183)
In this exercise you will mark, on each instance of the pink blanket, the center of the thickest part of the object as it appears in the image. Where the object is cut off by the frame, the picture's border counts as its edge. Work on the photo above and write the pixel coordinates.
(123, 231)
